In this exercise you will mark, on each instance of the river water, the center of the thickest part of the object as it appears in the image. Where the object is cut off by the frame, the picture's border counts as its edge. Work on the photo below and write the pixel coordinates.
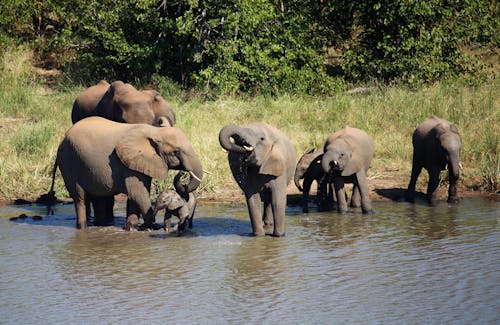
(406, 263)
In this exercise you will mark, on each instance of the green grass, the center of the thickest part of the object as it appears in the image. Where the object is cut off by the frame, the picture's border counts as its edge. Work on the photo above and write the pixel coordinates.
(33, 120)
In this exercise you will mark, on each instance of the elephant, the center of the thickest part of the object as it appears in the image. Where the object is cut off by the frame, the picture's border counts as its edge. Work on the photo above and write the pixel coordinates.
(309, 169)
(262, 161)
(122, 102)
(436, 146)
(119, 102)
(86, 103)
(347, 156)
(99, 158)
(175, 204)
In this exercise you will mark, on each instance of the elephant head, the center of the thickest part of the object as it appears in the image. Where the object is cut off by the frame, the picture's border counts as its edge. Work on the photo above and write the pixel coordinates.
(338, 158)
(307, 163)
(124, 103)
(152, 151)
(174, 204)
(164, 114)
(257, 146)
(449, 144)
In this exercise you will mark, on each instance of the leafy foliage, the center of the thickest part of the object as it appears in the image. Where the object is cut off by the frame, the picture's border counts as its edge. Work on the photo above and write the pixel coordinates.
(255, 46)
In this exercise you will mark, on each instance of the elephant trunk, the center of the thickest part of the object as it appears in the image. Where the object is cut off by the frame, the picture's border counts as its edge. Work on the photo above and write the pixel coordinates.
(326, 162)
(454, 165)
(236, 133)
(192, 164)
(296, 179)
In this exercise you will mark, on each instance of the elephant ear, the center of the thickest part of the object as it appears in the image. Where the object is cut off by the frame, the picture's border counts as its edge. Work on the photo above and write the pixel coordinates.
(137, 151)
(353, 166)
(274, 163)
(354, 163)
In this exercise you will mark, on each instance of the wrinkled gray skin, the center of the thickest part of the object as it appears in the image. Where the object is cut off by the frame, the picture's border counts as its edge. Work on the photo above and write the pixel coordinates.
(99, 158)
(347, 156)
(436, 146)
(262, 160)
(309, 169)
(119, 102)
(175, 205)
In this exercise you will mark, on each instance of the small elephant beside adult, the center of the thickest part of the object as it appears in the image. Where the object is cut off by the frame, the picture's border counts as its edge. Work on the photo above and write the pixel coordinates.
(309, 169)
(262, 161)
(436, 146)
(347, 156)
(122, 102)
(102, 158)
(175, 204)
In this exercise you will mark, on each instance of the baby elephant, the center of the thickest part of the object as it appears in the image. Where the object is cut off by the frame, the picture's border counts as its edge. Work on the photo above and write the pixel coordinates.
(175, 204)
(309, 169)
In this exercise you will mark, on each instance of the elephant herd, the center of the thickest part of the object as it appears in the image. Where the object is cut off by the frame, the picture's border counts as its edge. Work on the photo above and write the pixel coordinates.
(122, 138)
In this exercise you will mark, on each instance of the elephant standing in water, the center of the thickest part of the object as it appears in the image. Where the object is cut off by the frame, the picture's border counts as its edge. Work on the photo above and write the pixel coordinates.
(309, 169)
(102, 158)
(436, 145)
(347, 156)
(119, 102)
(262, 160)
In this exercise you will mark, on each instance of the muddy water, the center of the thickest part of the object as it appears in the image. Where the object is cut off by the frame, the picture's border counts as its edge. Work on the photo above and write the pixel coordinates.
(404, 264)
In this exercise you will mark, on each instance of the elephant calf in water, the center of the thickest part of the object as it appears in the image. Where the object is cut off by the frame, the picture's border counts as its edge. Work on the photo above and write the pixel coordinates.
(176, 205)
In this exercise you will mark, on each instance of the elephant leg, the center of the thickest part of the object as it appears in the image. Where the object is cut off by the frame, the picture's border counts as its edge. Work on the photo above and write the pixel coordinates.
(361, 186)
(322, 194)
(133, 215)
(254, 205)
(167, 220)
(338, 183)
(103, 210)
(432, 186)
(79, 199)
(279, 207)
(268, 218)
(355, 197)
(452, 190)
(305, 194)
(415, 172)
(138, 192)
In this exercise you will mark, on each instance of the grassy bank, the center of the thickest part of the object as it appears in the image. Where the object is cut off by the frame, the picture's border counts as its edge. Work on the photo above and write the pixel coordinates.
(33, 119)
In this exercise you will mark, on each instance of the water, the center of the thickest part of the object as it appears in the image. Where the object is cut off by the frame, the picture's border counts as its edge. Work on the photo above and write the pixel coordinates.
(405, 264)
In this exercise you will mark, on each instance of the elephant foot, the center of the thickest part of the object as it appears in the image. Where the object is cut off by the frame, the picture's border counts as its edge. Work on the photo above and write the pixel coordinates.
(268, 229)
(132, 223)
(453, 199)
(305, 209)
(279, 234)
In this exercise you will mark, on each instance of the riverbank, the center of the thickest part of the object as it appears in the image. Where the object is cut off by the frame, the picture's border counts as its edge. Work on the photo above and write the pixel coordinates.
(34, 118)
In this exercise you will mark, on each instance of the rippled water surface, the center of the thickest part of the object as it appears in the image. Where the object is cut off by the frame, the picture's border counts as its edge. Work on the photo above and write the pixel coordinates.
(405, 264)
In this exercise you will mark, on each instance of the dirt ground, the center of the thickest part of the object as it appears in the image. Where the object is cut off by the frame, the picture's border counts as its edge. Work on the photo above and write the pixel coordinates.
(382, 188)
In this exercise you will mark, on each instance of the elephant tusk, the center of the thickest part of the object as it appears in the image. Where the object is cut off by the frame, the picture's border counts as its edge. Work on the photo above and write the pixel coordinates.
(224, 150)
(248, 148)
(335, 163)
(194, 176)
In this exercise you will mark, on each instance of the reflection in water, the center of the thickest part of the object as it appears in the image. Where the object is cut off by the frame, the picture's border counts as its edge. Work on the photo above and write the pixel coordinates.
(404, 264)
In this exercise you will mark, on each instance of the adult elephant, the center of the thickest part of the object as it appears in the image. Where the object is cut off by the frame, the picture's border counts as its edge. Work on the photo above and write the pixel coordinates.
(101, 158)
(309, 169)
(122, 102)
(262, 160)
(119, 102)
(436, 146)
(347, 156)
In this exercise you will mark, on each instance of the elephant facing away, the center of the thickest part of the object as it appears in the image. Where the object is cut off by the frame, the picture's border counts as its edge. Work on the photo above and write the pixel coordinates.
(122, 102)
(99, 158)
(262, 161)
(347, 156)
(436, 146)
(309, 169)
